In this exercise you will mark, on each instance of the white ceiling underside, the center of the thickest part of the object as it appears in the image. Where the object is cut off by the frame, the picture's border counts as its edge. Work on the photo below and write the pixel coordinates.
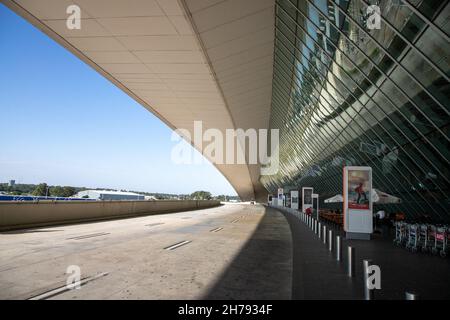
(185, 61)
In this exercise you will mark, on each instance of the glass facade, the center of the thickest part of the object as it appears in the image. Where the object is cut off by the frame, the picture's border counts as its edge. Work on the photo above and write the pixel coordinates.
(349, 91)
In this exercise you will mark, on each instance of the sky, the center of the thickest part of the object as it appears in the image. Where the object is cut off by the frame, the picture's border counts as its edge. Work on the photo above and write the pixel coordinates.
(64, 124)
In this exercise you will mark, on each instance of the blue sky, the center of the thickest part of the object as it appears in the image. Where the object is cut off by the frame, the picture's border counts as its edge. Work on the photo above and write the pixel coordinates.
(64, 124)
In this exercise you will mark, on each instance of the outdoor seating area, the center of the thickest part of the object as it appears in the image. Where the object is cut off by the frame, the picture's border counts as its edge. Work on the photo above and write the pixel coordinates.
(332, 217)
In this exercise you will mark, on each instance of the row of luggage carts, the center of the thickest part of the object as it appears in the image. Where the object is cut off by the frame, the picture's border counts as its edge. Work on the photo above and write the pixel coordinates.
(429, 238)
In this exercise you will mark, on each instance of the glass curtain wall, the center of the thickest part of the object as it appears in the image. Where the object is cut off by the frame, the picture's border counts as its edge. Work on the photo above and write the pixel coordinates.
(348, 92)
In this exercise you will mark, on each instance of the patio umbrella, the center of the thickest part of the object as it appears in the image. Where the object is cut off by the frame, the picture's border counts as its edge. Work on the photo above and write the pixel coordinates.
(380, 197)
(335, 199)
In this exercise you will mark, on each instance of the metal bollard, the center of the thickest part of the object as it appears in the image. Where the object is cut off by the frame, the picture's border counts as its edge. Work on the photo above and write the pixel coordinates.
(312, 224)
(315, 226)
(325, 234)
(409, 295)
(350, 261)
(338, 248)
(319, 229)
(330, 240)
(368, 293)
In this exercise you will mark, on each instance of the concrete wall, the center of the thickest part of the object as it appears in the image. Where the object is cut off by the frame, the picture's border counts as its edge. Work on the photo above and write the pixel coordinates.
(19, 215)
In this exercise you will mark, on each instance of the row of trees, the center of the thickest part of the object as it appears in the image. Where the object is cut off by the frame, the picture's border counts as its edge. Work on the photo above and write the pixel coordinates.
(43, 189)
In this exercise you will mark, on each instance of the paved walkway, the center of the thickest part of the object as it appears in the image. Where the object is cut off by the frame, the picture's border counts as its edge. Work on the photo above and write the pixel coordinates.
(318, 276)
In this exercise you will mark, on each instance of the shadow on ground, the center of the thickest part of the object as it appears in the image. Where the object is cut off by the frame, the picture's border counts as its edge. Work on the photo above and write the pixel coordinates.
(263, 268)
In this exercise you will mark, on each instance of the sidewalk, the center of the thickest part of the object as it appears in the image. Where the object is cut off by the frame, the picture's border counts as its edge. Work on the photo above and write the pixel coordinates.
(317, 275)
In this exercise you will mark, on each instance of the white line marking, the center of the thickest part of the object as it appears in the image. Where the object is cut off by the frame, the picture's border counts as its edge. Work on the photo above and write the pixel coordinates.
(65, 288)
(176, 245)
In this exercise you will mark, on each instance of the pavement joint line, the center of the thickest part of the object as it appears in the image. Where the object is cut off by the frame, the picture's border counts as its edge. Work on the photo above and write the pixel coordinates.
(154, 224)
(89, 236)
(66, 288)
(177, 245)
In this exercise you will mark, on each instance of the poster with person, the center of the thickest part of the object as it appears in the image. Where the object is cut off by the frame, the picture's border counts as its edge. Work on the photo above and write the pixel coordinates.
(358, 189)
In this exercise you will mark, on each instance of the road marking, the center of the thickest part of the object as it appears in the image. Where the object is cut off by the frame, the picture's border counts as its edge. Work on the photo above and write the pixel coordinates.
(66, 288)
(89, 236)
(234, 221)
(215, 230)
(177, 245)
(154, 224)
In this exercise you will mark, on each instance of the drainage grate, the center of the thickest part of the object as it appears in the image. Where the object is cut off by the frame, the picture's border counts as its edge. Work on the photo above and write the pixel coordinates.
(88, 236)
(215, 230)
(59, 290)
(177, 245)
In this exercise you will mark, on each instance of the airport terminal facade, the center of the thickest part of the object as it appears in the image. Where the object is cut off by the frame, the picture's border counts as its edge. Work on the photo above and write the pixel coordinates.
(347, 94)
(358, 82)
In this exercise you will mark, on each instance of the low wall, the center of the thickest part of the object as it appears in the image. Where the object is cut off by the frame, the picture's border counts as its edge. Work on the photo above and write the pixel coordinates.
(19, 214)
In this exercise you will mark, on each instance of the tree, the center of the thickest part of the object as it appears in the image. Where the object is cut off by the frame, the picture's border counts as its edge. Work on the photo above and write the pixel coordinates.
(40, 190)
(69, 191)
(201, 195)
(57, 191)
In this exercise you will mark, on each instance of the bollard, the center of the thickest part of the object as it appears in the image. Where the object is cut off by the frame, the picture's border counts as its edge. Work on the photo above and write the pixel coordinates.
(319, 229)
(410, 295)
(325, 234)
(330, 240)
(312, 224)
(338, 248)
(350, 261)
(368, 293)
(315, 227)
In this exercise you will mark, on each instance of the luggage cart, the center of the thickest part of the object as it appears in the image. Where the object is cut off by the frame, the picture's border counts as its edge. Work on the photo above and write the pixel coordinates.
(412, 244)
(440, 241)
(446, 245)
(425, 238)
(400, 233)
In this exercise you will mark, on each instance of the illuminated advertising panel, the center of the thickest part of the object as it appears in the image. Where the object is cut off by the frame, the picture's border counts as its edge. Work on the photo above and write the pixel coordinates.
(294, 199)
(307, 199)
(357, 186)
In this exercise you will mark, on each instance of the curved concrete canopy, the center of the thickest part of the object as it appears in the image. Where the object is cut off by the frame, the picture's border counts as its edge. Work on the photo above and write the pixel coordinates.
(185, 60)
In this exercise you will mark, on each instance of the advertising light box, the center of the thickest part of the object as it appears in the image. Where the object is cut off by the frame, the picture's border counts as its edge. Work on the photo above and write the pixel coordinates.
(357, 187)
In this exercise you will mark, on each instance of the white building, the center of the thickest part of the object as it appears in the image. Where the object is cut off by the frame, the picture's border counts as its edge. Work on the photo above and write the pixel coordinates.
(108, 195)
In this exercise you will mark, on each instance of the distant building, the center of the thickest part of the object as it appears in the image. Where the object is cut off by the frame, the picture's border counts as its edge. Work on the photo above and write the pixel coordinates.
(11, 183)
(109, 195)
(150, 198)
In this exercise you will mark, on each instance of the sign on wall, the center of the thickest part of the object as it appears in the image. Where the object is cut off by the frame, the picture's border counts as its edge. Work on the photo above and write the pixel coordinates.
(357, 187)
(307, 199)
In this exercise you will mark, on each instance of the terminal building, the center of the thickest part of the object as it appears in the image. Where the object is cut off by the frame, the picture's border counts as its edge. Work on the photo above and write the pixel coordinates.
(347, 82)
(109, 195)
